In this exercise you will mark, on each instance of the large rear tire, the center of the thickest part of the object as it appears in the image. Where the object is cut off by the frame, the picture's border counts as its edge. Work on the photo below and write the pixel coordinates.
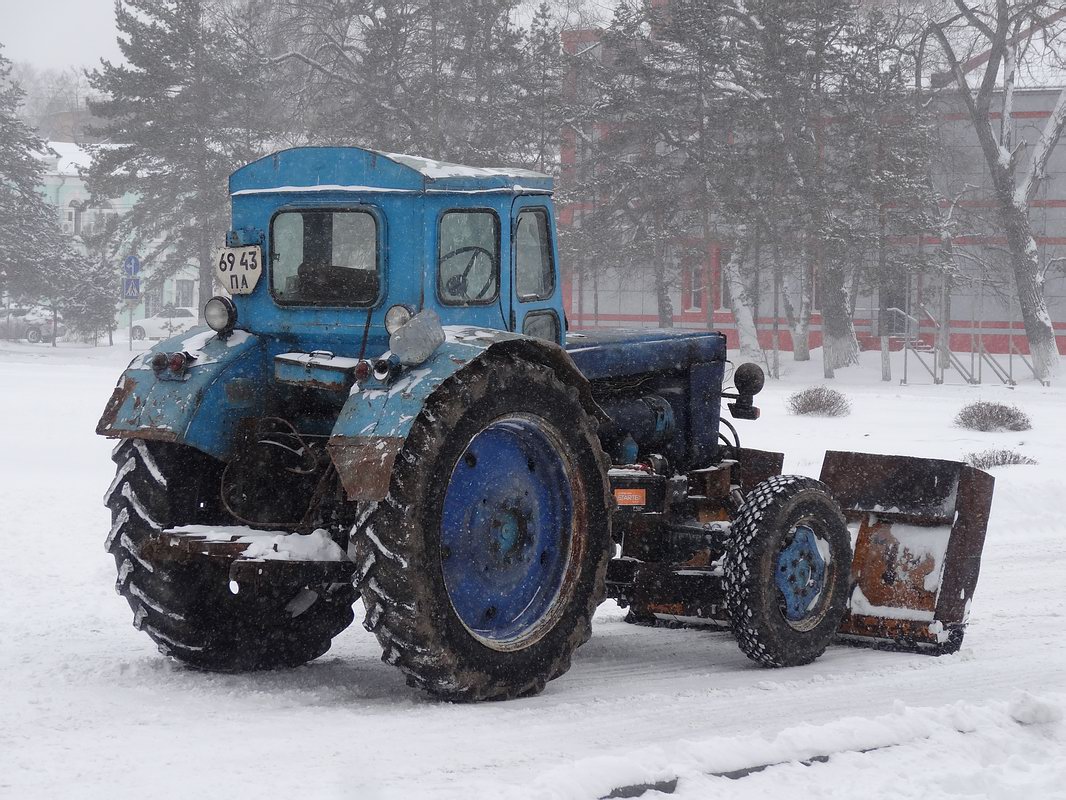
(186, 608)
(482, 568)
(787, 569)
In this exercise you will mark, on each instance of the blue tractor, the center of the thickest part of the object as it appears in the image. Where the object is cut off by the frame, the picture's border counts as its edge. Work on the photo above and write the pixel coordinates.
(387, 404)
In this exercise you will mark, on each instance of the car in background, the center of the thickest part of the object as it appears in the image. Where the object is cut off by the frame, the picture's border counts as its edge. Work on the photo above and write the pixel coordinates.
(166, 322)
(32, 323)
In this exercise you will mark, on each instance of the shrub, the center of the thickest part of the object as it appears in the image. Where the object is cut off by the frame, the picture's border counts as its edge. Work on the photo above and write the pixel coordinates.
(820, 401)
(983, 416)
(996, 458)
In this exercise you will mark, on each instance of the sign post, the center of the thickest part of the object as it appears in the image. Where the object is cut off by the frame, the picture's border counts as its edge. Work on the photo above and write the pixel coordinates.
(131, 288)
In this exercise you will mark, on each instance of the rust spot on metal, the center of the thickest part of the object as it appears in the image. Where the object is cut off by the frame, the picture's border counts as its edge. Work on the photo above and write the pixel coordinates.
(709, 492)
(935, 499)
(364, 464)
(906, 634)
(676, 590)
(154, 434)
(118, 397)
(240, 390)
(887, 572)
(314, 383)
(184, 548)
(757, 466)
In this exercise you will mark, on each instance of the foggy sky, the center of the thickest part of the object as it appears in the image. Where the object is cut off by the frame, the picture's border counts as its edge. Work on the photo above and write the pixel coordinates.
(58, 33)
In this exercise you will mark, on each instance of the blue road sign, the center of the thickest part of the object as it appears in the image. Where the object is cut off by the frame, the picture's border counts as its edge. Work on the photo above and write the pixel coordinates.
(130, 267)
(131, 288)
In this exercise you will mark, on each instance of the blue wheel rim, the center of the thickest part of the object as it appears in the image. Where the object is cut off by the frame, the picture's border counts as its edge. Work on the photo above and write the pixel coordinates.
(506, 532)
(801, 575)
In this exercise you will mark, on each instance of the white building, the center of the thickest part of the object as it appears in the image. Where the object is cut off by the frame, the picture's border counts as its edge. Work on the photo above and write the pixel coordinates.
(64, 188)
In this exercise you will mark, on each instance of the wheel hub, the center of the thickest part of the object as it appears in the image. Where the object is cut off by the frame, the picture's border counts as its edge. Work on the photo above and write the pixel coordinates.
(505, 531)
(511, 533)
(800, 574)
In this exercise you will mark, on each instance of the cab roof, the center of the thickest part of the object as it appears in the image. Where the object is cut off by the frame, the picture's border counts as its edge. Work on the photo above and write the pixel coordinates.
(355, 169)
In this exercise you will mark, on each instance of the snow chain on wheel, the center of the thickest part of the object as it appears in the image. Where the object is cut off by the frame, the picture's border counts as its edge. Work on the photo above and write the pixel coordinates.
(787, 569)
(501, 486)
(186, 608)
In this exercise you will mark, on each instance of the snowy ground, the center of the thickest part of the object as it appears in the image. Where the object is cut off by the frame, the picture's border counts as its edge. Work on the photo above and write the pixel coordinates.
(88, 708)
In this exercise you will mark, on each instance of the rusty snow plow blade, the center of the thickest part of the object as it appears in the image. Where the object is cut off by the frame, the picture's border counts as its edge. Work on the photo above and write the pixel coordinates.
(918, 526)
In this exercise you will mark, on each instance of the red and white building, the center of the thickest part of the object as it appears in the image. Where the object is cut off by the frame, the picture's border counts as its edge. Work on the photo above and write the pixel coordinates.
(983, 313)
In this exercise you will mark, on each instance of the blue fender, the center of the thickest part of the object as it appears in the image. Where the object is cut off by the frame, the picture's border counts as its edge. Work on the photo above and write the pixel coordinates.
(202, 408)
(377, 418)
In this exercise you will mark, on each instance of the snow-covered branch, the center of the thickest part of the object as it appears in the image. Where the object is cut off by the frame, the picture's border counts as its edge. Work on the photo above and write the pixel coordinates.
(1049, 137)
(293, 55)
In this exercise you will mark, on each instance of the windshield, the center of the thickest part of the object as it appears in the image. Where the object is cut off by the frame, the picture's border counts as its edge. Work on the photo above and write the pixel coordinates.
(323, 257)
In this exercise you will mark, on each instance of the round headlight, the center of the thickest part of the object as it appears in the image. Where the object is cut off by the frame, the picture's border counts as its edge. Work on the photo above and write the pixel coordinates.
(220, 314)
(396, 317)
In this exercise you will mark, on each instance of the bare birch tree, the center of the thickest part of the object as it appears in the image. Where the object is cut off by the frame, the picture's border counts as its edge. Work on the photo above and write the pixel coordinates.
(1006, 29)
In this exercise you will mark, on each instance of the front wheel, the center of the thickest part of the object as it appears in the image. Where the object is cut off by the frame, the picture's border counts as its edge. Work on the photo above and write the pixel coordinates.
(787, 568)
(482, 568)
(33, 335)
(138, 333)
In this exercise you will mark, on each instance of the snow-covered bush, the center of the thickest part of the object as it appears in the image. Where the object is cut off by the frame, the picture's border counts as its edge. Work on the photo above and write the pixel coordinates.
(997, 458)
(819, 401)
(982, 416)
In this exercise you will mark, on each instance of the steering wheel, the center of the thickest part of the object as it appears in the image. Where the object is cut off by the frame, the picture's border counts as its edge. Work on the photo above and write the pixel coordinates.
(456, 286)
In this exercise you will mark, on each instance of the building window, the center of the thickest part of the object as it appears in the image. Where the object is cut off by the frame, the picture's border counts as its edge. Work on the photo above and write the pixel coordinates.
(74, 216)
(97, 217)
(183, 293)
(153, 301)
(695, 286)
(723, 284)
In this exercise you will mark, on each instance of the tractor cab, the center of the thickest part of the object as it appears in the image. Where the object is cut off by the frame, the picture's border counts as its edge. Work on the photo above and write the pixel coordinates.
(354, 242)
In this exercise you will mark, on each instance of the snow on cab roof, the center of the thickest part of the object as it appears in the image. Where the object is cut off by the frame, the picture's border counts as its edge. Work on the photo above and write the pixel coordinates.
(356, 169)
(444, 169)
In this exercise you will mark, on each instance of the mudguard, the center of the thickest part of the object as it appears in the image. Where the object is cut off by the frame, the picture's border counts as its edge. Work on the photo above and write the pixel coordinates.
(377, 418)
(222, 385)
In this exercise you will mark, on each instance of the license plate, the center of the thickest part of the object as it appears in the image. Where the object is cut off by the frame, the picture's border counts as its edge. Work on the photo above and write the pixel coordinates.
(239, 268)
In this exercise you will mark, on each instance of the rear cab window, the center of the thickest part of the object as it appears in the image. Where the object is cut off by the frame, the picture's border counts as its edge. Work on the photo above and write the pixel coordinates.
(325, 257)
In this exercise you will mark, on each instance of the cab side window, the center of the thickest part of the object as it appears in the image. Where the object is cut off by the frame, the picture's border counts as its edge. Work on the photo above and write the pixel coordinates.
(534, 275)
(542, 325)
(468, 258)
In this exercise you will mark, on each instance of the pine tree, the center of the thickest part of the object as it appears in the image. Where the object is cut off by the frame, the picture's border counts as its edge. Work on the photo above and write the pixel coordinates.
(542, 90)
(639, 190)
(786, 68)
(430, 77)
(178, 118)
(91, 307)
(30, 240)
(887, 144)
